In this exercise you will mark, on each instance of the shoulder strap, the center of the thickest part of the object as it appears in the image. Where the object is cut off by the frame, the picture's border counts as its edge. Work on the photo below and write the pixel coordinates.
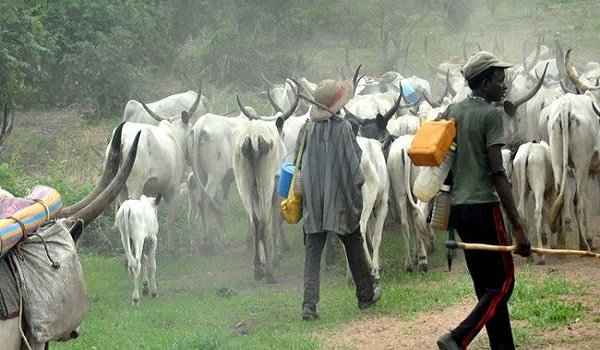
(298, 158)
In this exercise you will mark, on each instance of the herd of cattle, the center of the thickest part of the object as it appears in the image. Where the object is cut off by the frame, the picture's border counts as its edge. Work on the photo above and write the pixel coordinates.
(551, 125)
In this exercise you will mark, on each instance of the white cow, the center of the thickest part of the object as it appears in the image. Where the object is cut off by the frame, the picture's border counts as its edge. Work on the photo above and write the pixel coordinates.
(160, 165)
(574, 142)
(533, 176)
(257, 155)
(417, 234)
(375, 195)
(137, 222)
(169, 106)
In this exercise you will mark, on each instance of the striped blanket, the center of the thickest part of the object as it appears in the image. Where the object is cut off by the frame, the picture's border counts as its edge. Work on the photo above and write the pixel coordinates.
(22, 216)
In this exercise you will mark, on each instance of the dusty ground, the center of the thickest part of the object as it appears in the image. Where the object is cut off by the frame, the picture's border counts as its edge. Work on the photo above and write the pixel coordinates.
(422, 331)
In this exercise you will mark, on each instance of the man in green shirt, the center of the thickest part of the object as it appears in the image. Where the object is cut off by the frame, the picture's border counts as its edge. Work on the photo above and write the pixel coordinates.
(479, 184)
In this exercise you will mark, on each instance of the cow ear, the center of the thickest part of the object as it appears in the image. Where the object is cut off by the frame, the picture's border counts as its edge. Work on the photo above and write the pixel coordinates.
(185, 117)
(157, 200)
(355, 127)
(279, 123)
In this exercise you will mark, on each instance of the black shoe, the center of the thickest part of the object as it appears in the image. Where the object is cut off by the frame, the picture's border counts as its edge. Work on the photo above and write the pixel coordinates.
(446, 342)
(376, 296)
(310, 313)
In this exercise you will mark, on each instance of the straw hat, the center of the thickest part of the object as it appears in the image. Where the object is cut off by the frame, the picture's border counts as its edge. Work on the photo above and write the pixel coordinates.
(333, 95)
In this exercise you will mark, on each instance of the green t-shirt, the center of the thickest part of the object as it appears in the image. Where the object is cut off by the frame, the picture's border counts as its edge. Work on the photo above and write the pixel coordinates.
(478, 126)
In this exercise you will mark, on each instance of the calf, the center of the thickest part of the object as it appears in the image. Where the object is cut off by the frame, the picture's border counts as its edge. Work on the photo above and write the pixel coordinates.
(138, 223)
(533, 175)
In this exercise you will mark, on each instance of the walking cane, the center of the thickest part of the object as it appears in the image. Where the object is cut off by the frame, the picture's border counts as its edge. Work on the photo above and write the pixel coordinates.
(511, 248)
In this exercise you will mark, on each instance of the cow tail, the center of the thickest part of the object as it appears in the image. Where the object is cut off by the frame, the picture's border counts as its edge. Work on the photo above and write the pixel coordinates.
(560, 199)
(419, 218)
(522, 178)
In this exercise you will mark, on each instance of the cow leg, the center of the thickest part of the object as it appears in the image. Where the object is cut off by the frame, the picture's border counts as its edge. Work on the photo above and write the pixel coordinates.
(538, 197)
(269, 249)
(422, 264)
(144, 260)
(406, 228)
(152, 265)
(585, 242)
(171, 213)
(134, 269)
(376, 234)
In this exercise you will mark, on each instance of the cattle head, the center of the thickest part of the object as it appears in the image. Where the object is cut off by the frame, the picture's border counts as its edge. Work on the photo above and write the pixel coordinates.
(375, 128)
(280, 117)
(6, 124)
(110, 184)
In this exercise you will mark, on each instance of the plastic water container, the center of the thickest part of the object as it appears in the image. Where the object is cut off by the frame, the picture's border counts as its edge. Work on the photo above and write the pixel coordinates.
(441, 209)
(285, 179)
(431, 178)
(431, 142)
(410, 94)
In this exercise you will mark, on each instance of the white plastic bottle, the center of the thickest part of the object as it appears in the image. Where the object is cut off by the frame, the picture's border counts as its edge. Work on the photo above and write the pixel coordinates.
(430, 179)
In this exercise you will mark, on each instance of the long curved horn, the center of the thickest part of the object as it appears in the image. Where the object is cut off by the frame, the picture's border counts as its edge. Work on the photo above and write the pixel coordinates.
(111, 166)
(155, 116)
(292, 109)
(560, 60)
(389, 114)
(571, 73)
(197, 101)
(7, 123)
(353, 117)
(272, 102)
(264, 78)
(595, 109)
(244, 110)
(566, 89)
(533, 91)
(99, 204)
(355, 78)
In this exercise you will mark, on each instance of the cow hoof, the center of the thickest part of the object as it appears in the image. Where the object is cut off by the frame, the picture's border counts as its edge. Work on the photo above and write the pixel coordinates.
(541, 262)
(154, 294)
(145, 289)
(409, 269)
(423, 268)
(270, 279)
(135, 302)
(561, 244)
(258, 275)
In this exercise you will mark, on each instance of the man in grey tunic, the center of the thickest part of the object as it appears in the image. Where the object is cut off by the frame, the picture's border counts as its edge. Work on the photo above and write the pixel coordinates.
(332, 181)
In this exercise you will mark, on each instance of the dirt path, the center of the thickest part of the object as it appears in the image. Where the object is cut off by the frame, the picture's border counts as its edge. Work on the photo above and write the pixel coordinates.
(422, 331)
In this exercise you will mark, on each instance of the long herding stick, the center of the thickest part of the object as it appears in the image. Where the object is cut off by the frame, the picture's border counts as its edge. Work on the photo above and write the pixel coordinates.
(511, 248)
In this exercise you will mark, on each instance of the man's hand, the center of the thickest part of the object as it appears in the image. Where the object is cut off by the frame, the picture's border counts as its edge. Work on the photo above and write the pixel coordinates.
(523, 247)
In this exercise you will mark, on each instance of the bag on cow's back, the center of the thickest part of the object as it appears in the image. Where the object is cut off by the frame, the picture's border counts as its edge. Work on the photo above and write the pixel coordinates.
(54, 301)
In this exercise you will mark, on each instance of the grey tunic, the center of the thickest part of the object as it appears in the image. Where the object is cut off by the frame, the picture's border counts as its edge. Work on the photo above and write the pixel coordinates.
(331, 178)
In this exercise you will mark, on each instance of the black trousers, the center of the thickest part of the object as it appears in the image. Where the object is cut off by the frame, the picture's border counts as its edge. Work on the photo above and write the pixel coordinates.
(492, 274)
(353, 244)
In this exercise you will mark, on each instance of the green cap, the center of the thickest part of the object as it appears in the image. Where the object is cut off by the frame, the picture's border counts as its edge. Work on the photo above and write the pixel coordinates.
(481, 61)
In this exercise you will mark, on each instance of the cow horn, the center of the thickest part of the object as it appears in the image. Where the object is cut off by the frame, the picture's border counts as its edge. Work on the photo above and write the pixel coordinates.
(536, 57)
(389, 114)
(533, 91)
(111, 165)
(355, 78)
(99, 204)
(352, 117)
(566, 89)
(264, 78)
(155, 116)
(272, 102)
(7, 123)
(571, 73)
(244, 110)
(292, 109)
(196, 102)
(595, 109)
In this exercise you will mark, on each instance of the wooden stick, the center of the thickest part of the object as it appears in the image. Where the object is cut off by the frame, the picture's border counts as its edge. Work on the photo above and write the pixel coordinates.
(511, 248)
